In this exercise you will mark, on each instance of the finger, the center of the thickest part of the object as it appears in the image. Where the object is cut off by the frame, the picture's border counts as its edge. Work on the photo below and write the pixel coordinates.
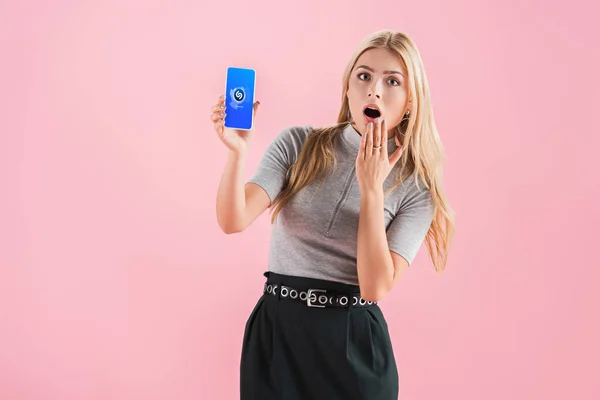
(219, 127)
(377, 133)
(369, 144)
(215, 117)
(398, 143)
(218, 108)
(396, 156)
(255, 107)
(384, 139)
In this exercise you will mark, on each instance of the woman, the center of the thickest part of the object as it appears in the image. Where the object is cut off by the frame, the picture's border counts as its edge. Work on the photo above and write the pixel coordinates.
(352, 204)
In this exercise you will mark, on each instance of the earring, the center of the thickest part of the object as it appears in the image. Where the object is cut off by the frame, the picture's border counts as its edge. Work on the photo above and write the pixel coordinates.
(405, 118)
(402, 121)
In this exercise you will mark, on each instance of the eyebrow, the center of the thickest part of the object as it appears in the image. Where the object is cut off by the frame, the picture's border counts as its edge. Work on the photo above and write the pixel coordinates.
(385, 72)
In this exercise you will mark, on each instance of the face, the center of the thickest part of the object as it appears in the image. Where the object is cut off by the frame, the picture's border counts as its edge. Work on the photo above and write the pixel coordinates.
(377, 88)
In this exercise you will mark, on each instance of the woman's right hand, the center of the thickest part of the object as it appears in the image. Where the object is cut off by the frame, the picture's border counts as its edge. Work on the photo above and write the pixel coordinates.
(236, 140)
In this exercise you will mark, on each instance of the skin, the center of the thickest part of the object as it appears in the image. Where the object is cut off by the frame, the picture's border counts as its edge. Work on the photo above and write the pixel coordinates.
(378, 78)
(239, 205)
(371, 83)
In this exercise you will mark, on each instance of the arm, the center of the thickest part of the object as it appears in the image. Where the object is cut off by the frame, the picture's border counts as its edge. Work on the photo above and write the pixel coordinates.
(378, 268)
(384, 254)
(238, 205)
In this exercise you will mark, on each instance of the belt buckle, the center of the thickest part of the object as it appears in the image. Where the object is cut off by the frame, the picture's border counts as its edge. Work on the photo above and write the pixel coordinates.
(310, 293)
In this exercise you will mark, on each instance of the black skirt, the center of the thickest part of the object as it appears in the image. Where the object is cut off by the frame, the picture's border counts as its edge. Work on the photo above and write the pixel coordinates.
(295, 352)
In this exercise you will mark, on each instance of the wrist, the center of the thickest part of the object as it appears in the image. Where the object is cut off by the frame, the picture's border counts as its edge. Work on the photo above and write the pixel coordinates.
(372, 195)
(240, 153)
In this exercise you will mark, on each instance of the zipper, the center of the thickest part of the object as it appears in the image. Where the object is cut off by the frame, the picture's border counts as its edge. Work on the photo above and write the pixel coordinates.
(347, 186)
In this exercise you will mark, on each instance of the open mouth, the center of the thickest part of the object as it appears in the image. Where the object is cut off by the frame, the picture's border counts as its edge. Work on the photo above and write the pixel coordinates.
(372, 112)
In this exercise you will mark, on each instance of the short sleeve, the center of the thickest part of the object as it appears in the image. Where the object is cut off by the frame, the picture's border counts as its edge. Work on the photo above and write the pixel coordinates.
(408, 229)
(281, 153)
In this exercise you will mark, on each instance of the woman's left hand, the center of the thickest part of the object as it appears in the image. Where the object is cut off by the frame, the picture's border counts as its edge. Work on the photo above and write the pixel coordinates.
(372, 162)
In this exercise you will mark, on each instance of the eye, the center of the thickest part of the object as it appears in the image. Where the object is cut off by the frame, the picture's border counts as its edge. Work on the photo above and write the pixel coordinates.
(394, 81)
(363, 76)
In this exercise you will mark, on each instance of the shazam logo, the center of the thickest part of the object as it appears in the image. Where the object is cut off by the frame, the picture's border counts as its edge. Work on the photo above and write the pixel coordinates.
(237, 97)
(238, 94)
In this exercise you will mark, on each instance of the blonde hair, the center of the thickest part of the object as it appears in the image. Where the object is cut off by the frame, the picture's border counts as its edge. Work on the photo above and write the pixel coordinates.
(423, 151)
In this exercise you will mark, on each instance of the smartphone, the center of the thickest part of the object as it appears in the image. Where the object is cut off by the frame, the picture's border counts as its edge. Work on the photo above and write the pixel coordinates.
(239, 98)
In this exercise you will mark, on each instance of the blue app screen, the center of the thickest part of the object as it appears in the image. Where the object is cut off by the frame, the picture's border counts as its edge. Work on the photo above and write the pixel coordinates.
(239, 98)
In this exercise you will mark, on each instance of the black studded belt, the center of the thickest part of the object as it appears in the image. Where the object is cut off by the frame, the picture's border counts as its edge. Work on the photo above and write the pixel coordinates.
(317, 297)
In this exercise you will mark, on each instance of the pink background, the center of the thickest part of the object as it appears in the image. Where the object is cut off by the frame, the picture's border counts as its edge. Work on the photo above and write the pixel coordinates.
(112, 265)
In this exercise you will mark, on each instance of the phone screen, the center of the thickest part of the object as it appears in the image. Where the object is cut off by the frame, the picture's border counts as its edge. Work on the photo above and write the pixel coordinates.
(239, 98)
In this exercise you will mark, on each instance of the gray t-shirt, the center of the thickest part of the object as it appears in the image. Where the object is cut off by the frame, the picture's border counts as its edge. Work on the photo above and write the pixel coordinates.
(315, 234)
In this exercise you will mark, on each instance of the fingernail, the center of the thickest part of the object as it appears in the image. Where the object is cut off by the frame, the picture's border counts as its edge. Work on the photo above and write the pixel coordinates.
(222, 107)
(377, 120)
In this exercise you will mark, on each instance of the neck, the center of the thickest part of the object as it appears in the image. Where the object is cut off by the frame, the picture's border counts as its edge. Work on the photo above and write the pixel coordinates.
(390, 133)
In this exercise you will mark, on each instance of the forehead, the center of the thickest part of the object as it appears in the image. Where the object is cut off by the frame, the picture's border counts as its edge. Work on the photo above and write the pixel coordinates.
(381, 60)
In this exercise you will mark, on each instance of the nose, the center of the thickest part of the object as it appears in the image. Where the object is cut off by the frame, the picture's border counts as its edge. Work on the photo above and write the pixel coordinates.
(375, 89)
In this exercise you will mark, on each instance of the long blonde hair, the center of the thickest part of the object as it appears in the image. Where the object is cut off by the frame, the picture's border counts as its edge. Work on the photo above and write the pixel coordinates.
(423, 150)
